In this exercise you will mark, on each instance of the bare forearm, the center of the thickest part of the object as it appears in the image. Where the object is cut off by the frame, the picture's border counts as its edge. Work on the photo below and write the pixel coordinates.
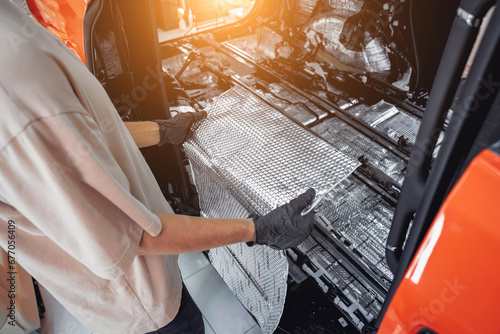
(144, 133)
(184, 234)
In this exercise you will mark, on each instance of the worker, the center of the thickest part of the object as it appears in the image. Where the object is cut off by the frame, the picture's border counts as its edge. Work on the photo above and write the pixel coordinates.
(79, 208)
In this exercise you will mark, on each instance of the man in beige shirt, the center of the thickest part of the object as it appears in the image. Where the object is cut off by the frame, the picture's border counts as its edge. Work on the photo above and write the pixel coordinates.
(80, 209)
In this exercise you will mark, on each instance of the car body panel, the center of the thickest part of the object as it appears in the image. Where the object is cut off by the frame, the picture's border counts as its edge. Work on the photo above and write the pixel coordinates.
(64, 19)
(452, 282)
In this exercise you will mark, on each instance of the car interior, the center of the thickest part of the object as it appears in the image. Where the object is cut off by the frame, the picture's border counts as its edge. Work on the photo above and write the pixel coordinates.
(382, 82)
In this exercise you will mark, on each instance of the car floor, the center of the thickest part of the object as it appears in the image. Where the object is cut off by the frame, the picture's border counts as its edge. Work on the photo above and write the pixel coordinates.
(222, 311)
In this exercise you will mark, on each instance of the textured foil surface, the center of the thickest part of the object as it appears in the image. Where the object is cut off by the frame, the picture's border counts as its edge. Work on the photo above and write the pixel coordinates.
(110, 58)
(388, 119)
(256, 275)
(363, 218)
(373, 58)
(303, 10)
(349, 5)
(265, 158)
(355, 144)
(247, 157)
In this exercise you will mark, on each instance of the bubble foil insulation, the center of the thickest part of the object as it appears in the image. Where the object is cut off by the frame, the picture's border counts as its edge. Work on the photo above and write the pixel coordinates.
(355, 144)
(360, 216)
(247, 157)
(373, 58)
(388, 119)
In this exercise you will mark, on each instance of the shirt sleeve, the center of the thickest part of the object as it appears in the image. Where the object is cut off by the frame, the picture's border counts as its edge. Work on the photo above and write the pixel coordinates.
(60, 175)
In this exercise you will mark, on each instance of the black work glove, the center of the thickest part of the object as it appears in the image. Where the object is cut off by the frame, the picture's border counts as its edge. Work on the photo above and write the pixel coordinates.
(177, 129)
(285, 227)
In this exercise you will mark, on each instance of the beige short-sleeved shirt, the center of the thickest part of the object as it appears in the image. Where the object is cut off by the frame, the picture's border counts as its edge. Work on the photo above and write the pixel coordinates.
(77, 188)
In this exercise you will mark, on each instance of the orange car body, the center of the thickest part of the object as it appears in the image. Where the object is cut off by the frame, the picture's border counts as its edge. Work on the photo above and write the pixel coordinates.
(64, 19)
(452, 282)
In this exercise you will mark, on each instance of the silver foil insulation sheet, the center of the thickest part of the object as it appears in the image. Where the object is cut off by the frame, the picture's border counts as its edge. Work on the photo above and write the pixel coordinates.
(355, 144)
(361, 218)
(247, 157)
(374, 58)
(296, 106)
(246, 270)
(388, 119)
(353, 6)
(398, 125)
(304, 8)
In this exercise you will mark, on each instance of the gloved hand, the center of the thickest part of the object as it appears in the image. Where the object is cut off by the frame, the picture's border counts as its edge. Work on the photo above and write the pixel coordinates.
(177, 129)
(285, 227)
